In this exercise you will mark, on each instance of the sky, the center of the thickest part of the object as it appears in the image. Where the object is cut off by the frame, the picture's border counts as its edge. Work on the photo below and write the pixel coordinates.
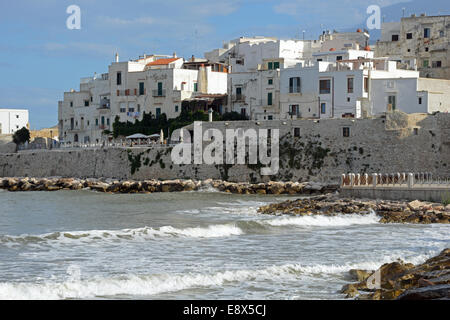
(40, 58)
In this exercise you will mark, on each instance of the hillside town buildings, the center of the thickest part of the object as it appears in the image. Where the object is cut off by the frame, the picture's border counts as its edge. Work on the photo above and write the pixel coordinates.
(12, 120)
(336, 76)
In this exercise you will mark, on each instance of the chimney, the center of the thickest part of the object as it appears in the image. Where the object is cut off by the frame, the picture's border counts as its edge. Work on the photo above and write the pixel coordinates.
(174, 54)
(193, 58)
(423, 15)
(117, 57)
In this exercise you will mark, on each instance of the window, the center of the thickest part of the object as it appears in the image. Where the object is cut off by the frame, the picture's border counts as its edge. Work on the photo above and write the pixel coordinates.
(323, 108)
(243, 112)
(131, 109)
(96, 122)
(296, 132)
(119, 78)
(138, 108)
(350, 85)
(325, 86)
(339, 58)
(141, 88)
(123, 110)
(392, 102)
(160, 89)
(195, 87)
(270, 82)
(294, 110)
(103, 120)
(420, 100)
(107, 121)
(366, 84)
(416, 131)
(348, 99)
(17, 116)
(86, 103)
(176, 108)
(270, 118)
(71, 103)
(427, 49)
(437, 64)
(346, 132)
(426, 63)
(269, 98)
(395, 37)
(426, 33)
(92, 99)
(318, 60)
(158, 112)
(238, 93)
(270, 65)
(294, 85)
(441, 33)
(409, 35)
(276, 65)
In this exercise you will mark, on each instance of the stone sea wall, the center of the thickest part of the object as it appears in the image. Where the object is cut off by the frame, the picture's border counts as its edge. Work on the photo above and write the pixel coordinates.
(397, 143)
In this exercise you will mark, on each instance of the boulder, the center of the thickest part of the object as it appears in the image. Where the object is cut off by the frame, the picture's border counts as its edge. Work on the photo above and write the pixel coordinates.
(416, 205)
(427, 293)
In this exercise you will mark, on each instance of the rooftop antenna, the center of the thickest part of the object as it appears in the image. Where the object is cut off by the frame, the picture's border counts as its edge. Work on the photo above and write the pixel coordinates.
(403, 9)
(304, 35)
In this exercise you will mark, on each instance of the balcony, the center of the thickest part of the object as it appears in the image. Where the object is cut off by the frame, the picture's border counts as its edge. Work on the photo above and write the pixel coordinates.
(238, 98)
(104, 104)
(159, 93)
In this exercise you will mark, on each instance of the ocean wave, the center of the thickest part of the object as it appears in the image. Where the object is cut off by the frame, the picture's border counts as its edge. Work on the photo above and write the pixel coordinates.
(147, 285)
(145, 233)
(325, 221)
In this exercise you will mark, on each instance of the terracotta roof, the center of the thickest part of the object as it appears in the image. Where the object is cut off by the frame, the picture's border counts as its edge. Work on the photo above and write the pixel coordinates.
(161, 62)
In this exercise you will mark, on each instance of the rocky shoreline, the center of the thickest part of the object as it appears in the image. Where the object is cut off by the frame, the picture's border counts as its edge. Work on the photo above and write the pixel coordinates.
(403, 281)
(152, 186)
(389, 211)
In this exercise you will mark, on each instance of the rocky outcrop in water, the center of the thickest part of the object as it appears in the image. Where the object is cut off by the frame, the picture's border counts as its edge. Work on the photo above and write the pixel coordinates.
(403, 281)
(389, 211)
(150, 186)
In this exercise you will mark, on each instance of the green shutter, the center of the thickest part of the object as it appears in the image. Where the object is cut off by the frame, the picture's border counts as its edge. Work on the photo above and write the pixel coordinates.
(269, 98)
(270, 66)
(276, 65)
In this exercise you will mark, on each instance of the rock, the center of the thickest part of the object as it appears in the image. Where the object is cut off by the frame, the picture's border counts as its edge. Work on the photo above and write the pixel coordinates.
(350, 290)
(427, 293)
(360, 275)
(415, 205)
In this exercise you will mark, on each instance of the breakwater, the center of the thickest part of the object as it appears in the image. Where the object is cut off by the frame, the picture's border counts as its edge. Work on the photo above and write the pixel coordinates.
(151, 186)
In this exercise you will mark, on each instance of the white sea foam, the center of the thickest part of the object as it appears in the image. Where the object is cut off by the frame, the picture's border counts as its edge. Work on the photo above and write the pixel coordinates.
(145, 233)
(325, 221)
(146, 285)
(142, 285)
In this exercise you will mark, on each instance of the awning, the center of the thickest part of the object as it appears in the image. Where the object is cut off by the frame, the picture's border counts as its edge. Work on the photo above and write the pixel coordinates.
(138, 136)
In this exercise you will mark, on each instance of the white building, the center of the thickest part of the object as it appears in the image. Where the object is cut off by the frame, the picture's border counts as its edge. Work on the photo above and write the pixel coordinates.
(151, 84)
(357, 88)
(12, 120)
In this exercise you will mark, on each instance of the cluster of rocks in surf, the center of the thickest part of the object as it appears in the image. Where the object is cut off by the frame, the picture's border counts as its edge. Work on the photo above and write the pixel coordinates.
(389, 211)
(151, 186)
(403, 281)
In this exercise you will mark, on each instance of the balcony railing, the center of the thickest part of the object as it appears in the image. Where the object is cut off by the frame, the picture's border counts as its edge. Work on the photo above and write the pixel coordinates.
(238, 97)
(159, 93)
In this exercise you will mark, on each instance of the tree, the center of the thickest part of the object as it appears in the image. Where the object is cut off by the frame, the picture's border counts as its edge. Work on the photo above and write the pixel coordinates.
(21, 136)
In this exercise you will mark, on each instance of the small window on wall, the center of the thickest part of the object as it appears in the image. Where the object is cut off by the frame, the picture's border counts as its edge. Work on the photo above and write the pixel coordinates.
(86, 103)
(17, 116)
(195, 87)
(416, 131)
(269, 98)
(346, 132)
(366, 84)
(71, 103)
(437, 64)
(270, 65)
(176, 108)
(323, 108)
(107, 121)
(409, 35)
(426, 33)
(426, 63)
(420, 100)
(96, 122)
(325, 86)
(395, 37)
(276, 65)
(350, 85)
(339, 58)
(119, 78)
(296, 132)
(270, 82)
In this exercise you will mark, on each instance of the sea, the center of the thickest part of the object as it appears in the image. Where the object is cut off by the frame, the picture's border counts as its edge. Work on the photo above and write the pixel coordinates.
(190, 245)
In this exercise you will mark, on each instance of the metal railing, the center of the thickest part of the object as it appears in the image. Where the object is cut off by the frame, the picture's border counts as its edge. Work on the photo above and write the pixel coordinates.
(406, 180)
